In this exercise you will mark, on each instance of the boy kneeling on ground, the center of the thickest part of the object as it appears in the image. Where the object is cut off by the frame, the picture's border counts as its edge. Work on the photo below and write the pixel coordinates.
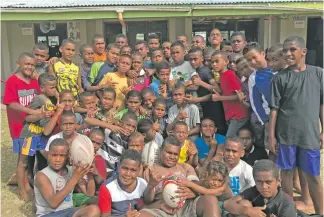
(54, 185)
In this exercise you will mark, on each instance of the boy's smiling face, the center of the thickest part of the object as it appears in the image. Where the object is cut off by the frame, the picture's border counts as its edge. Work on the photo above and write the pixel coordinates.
(294, 55)
(256, 59)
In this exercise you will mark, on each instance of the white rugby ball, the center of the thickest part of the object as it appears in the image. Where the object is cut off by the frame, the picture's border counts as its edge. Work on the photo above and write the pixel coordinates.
(82, 150)
(170, 196)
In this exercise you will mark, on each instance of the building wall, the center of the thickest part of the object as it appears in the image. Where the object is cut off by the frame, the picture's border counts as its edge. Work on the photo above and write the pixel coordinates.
(13, 42)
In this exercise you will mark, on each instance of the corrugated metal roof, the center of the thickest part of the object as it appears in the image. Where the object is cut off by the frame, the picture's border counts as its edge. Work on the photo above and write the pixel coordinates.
(84, 3)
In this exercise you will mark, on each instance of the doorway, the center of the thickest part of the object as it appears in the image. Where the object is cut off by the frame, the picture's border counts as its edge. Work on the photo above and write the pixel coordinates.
(314, 42)
(52, 38)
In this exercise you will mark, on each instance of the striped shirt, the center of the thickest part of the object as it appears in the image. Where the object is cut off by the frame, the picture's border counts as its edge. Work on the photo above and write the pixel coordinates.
(114, 200)
(259, 90)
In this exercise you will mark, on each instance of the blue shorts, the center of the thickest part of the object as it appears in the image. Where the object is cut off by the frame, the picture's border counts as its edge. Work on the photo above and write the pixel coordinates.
(69, 212)
(291, 156)
(29, 146)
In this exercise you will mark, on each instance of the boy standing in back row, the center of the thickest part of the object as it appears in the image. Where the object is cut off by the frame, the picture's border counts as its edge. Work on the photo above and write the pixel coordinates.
(259, 87)
(294, 135)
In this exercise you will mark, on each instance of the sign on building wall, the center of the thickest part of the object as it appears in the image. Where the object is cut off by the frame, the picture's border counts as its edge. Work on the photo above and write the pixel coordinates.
(26, 28)
(299, 22)
(73, 29)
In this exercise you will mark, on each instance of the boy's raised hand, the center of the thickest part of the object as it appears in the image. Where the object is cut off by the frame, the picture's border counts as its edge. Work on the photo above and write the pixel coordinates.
(59, 106)
(155, 178)
(143, 111)
(132, 74)
(132, 213)
(79, 171)
(190, 99)
(182, 115)
(192, 150)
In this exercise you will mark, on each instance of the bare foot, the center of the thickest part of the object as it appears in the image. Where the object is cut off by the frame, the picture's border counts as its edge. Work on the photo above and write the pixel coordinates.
(297, 187)
(304, 206)
(12, 180)
(25, 196)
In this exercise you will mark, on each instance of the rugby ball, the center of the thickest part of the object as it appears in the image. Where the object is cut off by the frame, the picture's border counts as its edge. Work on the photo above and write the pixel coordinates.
(169, 193)
(82, 150)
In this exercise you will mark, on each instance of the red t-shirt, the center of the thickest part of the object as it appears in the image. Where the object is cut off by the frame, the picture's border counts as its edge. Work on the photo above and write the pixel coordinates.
(234, 110)
(18, 91)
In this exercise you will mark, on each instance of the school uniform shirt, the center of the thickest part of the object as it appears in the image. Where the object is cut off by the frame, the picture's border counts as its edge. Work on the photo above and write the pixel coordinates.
(241, 178)
(114, 200)
(18, 91)
(256, 153)
(112, 149)
(98, 72)
(281, 205)
(203, 148)
(67, 77)
(122, 83)
(259, 91)
(229, 83)
(298, 97)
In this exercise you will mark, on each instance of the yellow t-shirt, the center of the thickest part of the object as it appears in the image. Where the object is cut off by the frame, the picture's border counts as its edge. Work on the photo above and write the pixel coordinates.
(183, 157)
(122, 83)
(67, 77)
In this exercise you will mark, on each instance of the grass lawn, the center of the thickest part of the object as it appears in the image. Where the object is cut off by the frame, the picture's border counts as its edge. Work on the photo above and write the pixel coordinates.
(11, 206)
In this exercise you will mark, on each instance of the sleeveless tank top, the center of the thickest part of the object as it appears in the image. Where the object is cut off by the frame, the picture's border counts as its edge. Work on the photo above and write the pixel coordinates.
(58, 182)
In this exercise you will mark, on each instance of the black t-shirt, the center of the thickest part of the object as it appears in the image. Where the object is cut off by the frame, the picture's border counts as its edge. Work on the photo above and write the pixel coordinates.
(281, 205)
(258, 153)
(213, 110)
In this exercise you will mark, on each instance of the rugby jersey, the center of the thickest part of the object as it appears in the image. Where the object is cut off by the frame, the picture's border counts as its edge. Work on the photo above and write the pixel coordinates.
(114, 200)
(67, 77)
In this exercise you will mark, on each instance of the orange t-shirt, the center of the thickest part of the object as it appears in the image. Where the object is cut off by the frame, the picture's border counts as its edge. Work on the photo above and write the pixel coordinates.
(100, 58)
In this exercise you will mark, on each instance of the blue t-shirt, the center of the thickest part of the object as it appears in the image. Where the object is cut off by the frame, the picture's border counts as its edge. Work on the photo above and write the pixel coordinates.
(203, 148)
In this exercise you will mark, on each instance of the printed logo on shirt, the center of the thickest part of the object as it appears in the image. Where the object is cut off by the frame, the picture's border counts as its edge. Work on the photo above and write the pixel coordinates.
(26, 96)
(235, 185)
(60, 182)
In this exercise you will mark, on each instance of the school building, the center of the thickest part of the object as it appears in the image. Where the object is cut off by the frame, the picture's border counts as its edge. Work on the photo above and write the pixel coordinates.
(25, 22)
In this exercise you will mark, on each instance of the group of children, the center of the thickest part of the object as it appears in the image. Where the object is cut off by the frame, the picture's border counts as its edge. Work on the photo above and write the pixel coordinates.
(219, 110)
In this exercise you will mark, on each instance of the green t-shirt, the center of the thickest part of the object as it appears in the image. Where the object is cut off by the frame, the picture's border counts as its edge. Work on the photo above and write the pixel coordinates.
(124, 111)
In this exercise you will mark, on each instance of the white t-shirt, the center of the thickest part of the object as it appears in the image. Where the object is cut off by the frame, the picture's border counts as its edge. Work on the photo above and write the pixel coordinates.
(50, 140)
(241, 178)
